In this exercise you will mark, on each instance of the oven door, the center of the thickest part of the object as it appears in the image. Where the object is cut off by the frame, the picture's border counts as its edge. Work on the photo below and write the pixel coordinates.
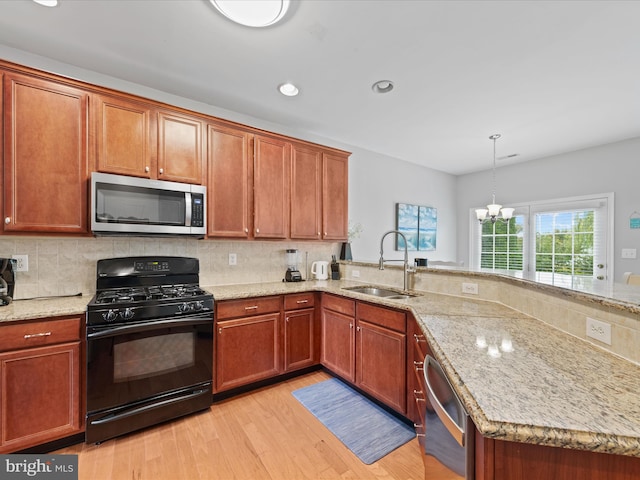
(134, 362)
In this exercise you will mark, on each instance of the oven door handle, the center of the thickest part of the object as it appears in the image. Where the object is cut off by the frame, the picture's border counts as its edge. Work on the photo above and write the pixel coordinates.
(134, 411)
(106, 332)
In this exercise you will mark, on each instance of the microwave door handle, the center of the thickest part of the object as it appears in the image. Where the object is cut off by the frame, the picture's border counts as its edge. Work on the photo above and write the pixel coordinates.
(188, 206)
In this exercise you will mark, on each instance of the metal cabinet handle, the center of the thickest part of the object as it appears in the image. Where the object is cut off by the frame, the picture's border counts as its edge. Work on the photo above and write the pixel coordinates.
(302, 301)
(419, 338)
(419, 399)
(419, 366)
(253, 307)
(36, 335)
(220, 330)
(416, 426)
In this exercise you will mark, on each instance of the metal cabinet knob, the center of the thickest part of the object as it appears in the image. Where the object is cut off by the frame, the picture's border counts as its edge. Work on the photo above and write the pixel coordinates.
(161, 171)
(7, 220)
(146, 169)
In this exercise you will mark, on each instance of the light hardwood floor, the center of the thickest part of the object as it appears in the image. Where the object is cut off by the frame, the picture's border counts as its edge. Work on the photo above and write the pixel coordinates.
(265, 434)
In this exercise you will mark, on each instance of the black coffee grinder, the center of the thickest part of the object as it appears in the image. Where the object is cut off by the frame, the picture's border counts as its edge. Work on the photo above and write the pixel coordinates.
(7, 280)
(292, 274)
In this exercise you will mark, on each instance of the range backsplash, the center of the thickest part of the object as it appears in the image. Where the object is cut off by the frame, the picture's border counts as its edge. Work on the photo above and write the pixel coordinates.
(67, 266)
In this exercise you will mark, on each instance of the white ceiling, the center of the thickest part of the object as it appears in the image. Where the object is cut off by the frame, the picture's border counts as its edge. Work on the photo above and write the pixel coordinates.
(550, 76)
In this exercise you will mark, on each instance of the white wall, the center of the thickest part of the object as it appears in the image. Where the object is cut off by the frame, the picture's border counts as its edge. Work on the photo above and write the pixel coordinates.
(377, 183)
(614, 167)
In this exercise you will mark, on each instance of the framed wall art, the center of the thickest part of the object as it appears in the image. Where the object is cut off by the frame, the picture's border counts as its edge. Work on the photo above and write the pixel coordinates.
(418, 224)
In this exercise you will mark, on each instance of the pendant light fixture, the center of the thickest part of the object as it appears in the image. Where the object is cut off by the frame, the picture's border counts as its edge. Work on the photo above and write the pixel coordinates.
(493, 209)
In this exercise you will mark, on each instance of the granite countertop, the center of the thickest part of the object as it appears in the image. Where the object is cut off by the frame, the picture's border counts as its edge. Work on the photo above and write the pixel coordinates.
(551, 388)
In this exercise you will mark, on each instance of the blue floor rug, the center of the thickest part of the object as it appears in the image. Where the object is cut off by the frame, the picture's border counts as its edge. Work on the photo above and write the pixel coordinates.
(364, 428)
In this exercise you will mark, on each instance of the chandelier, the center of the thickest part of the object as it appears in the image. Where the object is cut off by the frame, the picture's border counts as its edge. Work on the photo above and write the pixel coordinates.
(490, 214)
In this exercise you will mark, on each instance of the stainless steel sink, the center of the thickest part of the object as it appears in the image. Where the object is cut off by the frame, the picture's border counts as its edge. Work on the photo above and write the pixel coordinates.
(381, 292)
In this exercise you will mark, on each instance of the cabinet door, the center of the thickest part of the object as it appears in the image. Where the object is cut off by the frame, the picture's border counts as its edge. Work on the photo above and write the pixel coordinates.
(229, 179)
(335, 197)
(40, 392)
(179, 148)
(45, 156)
(272, 171)
(299, 339)
(380, 364)
(306, 193)
(338, 344)
(125, 134)
(247, 350)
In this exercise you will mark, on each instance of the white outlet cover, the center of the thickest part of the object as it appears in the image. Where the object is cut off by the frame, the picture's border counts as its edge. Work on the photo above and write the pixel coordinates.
(598, 330)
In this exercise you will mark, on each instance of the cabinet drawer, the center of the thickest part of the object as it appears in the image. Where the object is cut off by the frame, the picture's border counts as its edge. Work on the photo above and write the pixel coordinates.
(40, 333)
(339, 304)
(384, 317)
(298, 301)
(248, 306)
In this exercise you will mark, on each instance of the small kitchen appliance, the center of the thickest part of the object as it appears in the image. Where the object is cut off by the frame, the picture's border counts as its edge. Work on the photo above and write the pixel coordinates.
(320, 270)
(7, 280)
(292, 274)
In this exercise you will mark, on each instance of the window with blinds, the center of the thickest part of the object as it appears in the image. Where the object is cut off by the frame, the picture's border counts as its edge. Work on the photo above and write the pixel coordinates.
(560, 242)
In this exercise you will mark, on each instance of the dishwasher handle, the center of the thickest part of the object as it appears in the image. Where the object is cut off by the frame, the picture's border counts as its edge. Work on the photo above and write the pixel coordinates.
(456, 431)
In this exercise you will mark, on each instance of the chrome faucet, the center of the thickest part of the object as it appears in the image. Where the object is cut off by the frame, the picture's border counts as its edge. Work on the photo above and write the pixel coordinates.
(406, 269)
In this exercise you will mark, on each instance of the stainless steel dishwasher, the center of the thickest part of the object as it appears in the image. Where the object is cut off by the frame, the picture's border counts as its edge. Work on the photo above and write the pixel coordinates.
(449, 434)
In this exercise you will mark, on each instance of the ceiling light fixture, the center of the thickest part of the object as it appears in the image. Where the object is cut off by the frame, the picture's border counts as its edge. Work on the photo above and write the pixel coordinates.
(288, 89)
(252, 13)
(493, 209)
(47, 3)
(382, 86)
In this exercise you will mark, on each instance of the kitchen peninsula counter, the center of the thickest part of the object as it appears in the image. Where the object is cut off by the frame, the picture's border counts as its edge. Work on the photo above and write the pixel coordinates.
(538, 385)
(531, 383)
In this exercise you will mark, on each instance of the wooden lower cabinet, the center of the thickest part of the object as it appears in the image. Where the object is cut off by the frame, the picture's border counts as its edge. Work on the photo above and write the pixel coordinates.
(247, 350)
(501, 460)
(366, 345)
(40, 383)
(381, 354)
(338, 336)
(261, 338)
(299, 332)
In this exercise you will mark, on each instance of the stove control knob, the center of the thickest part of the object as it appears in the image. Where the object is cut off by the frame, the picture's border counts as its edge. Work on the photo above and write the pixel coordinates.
(110, 316)
(127, 314)
(198, 305)
(185, 307)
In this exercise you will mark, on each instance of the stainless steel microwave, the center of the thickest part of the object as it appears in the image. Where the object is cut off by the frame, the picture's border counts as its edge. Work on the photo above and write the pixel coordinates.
(122, 205)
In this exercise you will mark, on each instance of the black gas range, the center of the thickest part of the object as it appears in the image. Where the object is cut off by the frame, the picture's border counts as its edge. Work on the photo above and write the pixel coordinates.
(149, 344)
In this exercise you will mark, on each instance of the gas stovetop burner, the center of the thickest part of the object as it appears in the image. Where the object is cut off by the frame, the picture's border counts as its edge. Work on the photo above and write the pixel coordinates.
(142, 294)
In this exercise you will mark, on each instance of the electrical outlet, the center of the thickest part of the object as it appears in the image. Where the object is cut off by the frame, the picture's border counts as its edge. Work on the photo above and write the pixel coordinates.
(628, 253)
(601, 331)
(22, 262)
(470, 288)
(355, 273)
(233, 259)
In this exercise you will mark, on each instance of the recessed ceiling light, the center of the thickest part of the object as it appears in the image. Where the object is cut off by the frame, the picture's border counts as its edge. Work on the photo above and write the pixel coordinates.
(288, 89)
(382, 86)
(47, 3)
(252, 13)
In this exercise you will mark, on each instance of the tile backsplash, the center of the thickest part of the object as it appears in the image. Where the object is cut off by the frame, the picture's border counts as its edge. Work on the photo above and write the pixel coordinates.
(67, 266)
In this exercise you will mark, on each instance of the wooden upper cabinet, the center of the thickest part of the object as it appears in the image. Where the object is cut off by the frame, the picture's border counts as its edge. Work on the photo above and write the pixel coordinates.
(46, 160)
(180, 156)
(229, 170)
(306, 193)
(335, 196)
(137, 139)
(272, 170)
(126, 136)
